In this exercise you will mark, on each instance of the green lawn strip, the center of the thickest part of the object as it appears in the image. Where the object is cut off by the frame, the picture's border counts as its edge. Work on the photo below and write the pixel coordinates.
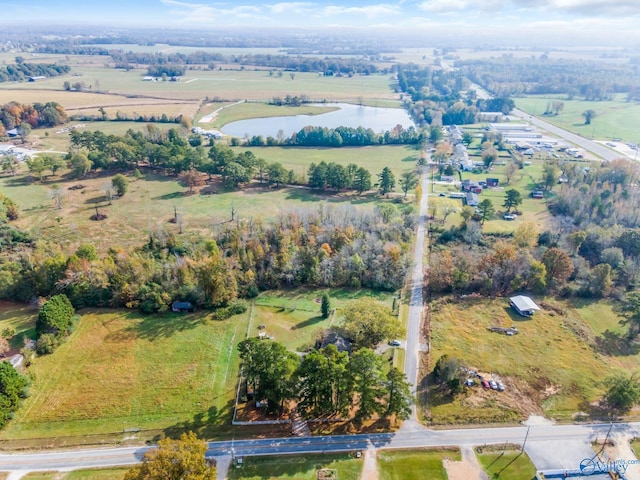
(122, 371)
(560, 335)
(635, 445)
(508, 465)
(91, 474)
(296, 467)
(615, 118)
(414, 464)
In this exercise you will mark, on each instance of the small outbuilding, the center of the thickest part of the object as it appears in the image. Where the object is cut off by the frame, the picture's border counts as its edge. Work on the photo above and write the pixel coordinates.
(182, 307)
(524, 305)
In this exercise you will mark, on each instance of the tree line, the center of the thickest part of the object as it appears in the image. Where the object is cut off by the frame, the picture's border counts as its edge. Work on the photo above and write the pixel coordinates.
(14, 114)
(21, 71)
(326, 247)
(508, 75)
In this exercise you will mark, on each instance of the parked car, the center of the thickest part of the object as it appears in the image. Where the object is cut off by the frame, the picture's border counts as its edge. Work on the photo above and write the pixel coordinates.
(500, 386)
(485, 384)
(493, 384)
(395, 343)
(470, 382)
(510, 216)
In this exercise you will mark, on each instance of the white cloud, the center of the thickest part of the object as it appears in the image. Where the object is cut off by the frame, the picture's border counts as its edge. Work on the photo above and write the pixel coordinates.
(203, 13)
(369, 11)
(289, 7)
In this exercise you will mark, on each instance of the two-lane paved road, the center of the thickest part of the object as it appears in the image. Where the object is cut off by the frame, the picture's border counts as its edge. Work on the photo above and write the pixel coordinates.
(418, 438)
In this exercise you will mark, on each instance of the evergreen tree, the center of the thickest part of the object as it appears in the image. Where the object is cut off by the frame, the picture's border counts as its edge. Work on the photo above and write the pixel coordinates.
(325, 306)
(387, 181)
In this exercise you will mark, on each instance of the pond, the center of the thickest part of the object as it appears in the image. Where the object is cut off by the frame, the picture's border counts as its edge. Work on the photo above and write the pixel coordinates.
(376, 118)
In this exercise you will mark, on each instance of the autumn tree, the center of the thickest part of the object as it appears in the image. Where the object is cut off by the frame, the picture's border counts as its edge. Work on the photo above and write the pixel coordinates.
(182, 459)
(489, 155)
(559, 266)
(509, 172)
(191, 179)
(368, 323)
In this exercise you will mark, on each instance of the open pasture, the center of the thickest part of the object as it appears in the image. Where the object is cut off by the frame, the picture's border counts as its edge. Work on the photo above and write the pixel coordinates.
(538, 366)
(615, 118)
(120, 370)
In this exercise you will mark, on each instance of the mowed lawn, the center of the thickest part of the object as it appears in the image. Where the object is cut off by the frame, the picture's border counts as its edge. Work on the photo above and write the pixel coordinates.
(509, 464)
(554, 365)
(120, 370)
(96, 474)
(415, 464)
(399, 158)
(292, 467)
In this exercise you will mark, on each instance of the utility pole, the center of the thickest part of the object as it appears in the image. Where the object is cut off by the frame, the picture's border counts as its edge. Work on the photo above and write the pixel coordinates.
(525, 439)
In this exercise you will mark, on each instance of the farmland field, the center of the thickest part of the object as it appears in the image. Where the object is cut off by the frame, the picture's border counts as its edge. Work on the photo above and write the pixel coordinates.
(120, 371)
(615, 118)
(538, 366)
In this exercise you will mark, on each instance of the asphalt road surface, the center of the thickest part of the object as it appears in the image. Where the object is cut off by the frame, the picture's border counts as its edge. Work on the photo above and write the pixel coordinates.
(414, 438)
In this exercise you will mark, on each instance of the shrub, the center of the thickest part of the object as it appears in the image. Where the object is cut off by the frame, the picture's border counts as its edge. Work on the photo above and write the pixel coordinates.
(55, 316)
(228, 312)
(47, 344)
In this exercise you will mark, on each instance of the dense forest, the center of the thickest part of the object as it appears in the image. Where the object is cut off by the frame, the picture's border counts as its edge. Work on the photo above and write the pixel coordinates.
(322, 247)
(21, 70)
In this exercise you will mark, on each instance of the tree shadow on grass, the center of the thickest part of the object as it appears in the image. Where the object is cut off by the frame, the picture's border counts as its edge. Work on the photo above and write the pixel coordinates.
(616, 344)
(308, 322)
(164, 326)
(169, 196)
(206, 424)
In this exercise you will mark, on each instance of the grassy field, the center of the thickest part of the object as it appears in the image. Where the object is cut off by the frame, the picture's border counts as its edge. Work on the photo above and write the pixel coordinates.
(22, 319)
(293, 317)
(615, 118)
(397, 157)
(508, 465)
(120, 370)
(94, 474)
(150, 202)
(224, 84)
(297, 467)
(415, 464)
(538, 366)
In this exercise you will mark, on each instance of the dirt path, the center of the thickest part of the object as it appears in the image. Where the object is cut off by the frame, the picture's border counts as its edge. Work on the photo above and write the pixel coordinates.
(467, 469)
(370, 467)
(621, 450)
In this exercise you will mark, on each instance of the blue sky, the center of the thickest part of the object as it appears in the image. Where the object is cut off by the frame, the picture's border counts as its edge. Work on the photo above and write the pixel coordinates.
(598, 17)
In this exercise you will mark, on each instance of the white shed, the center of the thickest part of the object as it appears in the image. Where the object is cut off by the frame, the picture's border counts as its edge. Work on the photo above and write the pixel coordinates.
(524, 305)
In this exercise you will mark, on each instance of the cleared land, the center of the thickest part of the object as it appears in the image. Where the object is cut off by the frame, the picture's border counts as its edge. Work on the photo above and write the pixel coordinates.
(509, 464)
(121, 371)
(418, 465)
(150, 202)
(615, 119)
(297, 467)
(538, 366)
